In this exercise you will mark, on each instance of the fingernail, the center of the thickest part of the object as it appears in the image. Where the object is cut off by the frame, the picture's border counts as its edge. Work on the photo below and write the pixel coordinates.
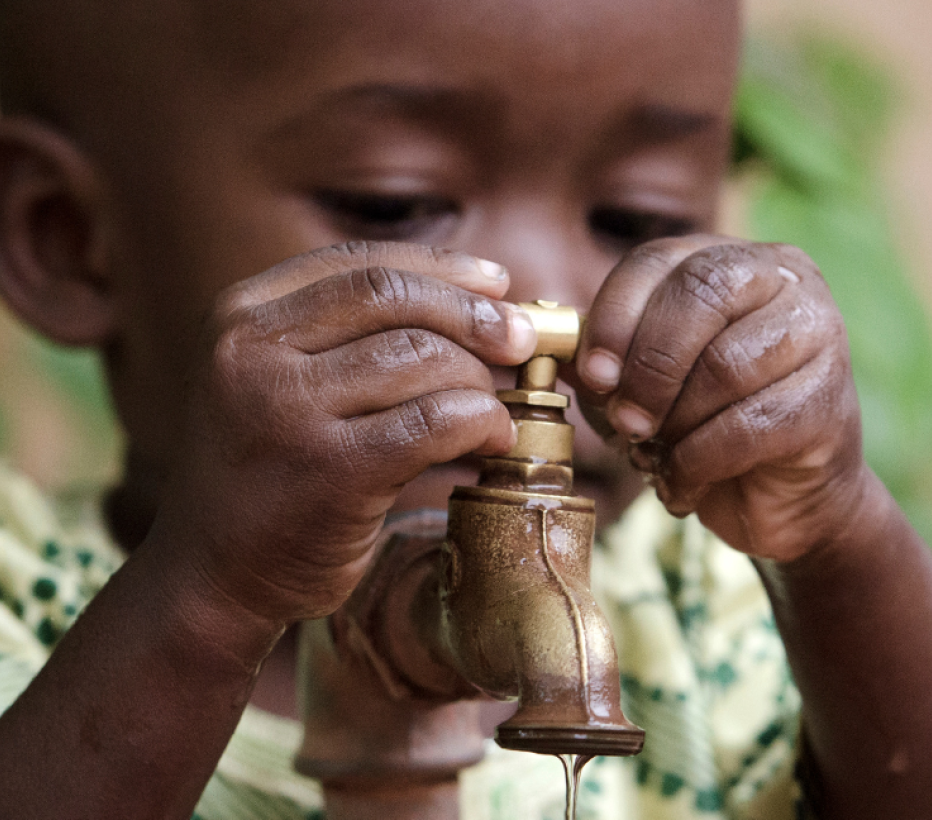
(634, 421)
(491, 270)
(787, 274)
(523, 334)
(602, 370)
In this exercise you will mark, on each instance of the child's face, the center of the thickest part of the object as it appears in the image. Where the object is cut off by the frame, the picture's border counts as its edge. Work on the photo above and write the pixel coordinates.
(547, 135)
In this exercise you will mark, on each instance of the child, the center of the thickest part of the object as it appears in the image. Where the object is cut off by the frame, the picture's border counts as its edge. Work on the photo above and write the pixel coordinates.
(157, 156)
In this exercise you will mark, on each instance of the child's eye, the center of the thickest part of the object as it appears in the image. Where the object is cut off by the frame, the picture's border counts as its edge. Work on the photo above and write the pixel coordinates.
(631, 227)
(385, 216)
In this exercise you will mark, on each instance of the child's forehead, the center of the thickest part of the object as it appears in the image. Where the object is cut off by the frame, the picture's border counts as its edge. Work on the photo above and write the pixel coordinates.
(248, 35)
(155, 76)
(148, 46)
(680, 50)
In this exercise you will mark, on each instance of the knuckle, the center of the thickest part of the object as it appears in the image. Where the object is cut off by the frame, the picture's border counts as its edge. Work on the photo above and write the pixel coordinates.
(717, 276)
(413, 346)
(785, 407)
(834, 325)
(378, 253)
(384, 286)
(754, 417)
(669, 249)
(343, 256)
(363, 249)
(228, 358)
(795, 256)
(657, 363)
(422, 420)
(725, 362)
(442, 258)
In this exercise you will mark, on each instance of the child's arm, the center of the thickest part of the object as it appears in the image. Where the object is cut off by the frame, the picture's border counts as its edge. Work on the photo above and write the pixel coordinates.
(724, 367)
(325, 385)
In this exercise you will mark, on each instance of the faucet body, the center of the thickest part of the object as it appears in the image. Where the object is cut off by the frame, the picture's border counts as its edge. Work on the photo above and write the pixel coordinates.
(522, 624)
(401, 680)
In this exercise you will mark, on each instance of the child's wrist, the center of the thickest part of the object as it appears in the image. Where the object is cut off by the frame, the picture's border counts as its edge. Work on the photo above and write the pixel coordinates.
(857, 532)
(201, 615)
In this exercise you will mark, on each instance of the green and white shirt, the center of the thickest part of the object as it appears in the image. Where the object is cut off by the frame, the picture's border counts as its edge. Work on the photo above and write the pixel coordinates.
(704, 673)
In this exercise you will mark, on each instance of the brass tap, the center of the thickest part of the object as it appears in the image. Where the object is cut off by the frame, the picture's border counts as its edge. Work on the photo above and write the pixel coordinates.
(500, 606)
(518, 616)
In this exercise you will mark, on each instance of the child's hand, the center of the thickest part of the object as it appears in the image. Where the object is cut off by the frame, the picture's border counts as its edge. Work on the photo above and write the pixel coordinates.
(725, 366)
(325, 385)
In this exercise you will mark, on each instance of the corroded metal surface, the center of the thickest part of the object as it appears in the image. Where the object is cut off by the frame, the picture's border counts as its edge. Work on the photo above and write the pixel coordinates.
(387, 727)
(500, 606)
(521, 622)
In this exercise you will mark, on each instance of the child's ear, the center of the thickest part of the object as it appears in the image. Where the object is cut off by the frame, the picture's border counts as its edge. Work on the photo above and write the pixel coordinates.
(53, 235)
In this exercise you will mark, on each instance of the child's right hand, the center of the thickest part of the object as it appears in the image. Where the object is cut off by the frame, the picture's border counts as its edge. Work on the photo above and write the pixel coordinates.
(323, 386)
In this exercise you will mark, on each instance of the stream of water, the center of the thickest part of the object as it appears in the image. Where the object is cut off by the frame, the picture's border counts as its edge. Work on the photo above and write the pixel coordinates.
(572, 767)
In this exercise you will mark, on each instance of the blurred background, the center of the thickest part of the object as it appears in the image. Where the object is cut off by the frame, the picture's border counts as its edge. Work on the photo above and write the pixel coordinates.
(833, 129)
(895, 36)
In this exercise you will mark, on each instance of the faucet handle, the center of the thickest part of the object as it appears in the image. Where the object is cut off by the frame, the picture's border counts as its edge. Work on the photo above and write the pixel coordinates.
(558, 332)
(558, 327)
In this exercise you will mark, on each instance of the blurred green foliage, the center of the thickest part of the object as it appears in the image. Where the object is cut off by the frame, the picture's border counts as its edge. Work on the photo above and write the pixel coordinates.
(810, 119)
(73, 387)
(78, 376)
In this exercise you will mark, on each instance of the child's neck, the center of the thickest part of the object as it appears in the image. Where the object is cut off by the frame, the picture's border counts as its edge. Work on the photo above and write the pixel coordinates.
(130, 506)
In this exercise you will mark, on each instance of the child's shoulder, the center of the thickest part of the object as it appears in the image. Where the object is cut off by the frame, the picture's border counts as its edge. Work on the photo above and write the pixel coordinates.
(60, 527)
(649, 552)
(704, 671)
(55, 555)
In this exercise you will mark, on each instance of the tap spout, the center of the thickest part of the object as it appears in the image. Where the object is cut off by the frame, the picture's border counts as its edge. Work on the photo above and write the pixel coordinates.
(521, 623)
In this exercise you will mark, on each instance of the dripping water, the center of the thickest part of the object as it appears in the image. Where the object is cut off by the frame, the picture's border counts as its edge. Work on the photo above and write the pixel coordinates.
(572, 768)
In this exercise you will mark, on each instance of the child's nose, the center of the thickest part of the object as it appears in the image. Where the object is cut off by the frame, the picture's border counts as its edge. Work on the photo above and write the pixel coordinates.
(548, 255)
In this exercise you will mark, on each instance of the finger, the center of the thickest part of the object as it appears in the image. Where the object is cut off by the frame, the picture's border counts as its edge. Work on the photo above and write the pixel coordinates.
(620, 302)
(388, 369)
(759, 349)
(350, 306)
(782, 426)
(456, 268)
(706, 293)
(405, 440)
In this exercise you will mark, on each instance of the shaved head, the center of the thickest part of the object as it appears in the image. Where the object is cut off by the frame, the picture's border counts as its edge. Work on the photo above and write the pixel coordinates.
(49, 50)
(59, 57)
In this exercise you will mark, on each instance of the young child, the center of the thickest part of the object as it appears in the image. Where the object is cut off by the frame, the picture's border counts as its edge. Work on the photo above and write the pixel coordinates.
(156, 157)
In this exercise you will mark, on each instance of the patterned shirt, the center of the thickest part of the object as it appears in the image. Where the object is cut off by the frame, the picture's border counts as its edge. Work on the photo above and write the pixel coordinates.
(704, 673)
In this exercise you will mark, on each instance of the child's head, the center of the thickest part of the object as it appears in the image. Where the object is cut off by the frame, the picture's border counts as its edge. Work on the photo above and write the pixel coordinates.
(184, 145)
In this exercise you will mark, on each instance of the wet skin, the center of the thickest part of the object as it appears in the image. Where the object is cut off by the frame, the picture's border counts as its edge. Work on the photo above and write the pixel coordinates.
(315, 397)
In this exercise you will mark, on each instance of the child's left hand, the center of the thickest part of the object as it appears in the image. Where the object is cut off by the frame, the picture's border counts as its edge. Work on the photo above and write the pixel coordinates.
(724, 366)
